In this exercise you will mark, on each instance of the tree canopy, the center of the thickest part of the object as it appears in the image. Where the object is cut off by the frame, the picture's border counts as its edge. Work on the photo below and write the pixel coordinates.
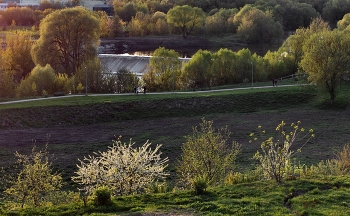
(68, 37)
(186, 18)
(164, 70)
(16, 57)
(326, 59)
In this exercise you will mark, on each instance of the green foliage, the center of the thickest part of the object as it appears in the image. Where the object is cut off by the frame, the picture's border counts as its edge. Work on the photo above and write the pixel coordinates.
(91, 72)
(164, 71)
(224, 71)
(80, 88)
(344, 23)
(338, 166)
(197, 73)
(257, 26)
(248, 176)
(122, 168)
(206, 157)
(294, 43)
(41, 78)
(125, 81)
(314, 197)
(343, 160)
(63, 83)
(68, 38)
(325, 60)
(200, 184)
(7, 85)
(157, 187)
(16, 57)
(221, 21)
(275, 157)
(186, 18)
(102, 196)
(35, 179)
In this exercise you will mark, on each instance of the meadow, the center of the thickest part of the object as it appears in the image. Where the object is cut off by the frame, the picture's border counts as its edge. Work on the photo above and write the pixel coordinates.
(77, 126)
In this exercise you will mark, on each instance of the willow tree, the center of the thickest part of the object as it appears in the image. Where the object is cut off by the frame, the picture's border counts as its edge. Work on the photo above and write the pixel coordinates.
(187, 18)
(197, 72)
(327, 59)
(164, 70)
(68, 37)
(294, 43)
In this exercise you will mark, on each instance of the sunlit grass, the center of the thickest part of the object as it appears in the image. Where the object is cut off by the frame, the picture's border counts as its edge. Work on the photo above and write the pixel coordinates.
(309, 197)
(78, 100)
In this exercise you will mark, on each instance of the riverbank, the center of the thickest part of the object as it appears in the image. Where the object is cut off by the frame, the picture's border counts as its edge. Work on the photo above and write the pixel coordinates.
(186, 47)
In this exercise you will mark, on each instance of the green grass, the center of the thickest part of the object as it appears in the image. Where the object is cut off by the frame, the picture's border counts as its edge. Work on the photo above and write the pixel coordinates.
(166, 119)
(128, 107)
(324, 196)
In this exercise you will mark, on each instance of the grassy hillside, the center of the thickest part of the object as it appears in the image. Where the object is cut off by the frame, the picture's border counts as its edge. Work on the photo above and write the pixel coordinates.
(328, 196)
(93, 110)
(80, 125)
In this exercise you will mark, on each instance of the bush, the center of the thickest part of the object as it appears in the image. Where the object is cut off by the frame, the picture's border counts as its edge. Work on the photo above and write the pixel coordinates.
(200, 184)
(39, 79)
(206, 154)
(35, 179)
(275, 156)
(124, 169)
(343, 160)
(157, 187)
(102, 196)
(337, 166)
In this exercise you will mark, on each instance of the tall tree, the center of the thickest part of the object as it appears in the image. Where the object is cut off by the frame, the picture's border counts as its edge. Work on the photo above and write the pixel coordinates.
(294, 43)
(197, 72)
(344, 23)
(186, 18)
(164, 70)
(326, 59)
(68, 37)
(223, 67)
(257, 27)
(16, 57)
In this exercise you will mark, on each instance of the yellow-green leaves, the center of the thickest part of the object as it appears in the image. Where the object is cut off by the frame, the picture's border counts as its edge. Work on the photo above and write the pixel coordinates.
(275, 154)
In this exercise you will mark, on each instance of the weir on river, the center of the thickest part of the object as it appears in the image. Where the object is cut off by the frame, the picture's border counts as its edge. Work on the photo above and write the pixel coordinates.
(134, 63)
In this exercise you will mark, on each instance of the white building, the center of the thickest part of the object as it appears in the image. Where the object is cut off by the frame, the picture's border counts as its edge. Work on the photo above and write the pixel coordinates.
(86, 3)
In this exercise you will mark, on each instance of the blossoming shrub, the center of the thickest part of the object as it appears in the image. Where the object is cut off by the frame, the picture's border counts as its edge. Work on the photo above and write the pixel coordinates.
(276, 154)
(122, 168)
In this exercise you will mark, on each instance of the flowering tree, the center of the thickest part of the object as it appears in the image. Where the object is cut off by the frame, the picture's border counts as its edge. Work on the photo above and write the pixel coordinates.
(275, 156)
(124, 169)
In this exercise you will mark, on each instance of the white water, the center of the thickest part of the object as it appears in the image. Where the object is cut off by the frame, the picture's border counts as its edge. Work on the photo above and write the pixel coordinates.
(134, 63)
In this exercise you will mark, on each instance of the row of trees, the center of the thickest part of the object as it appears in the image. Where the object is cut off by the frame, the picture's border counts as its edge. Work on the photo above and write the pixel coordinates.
(318, 51)
(69, 60)
(31, 15)
(254, 21)
(58, 60)
(272, 17)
